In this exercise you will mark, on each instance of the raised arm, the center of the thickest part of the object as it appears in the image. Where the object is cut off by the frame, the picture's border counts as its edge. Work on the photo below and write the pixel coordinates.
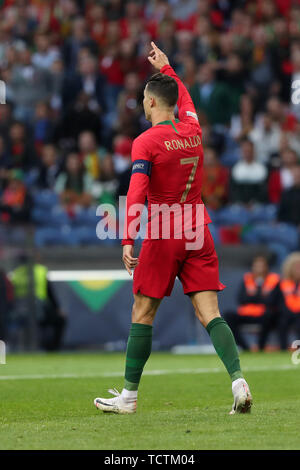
(186, 108)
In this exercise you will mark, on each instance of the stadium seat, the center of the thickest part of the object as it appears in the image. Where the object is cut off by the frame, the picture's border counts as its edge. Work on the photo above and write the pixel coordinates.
(263, 213)
(233, 215)
(88, 236)
(284, 234)
(55, 217)
(55, 236)
(45, 199)
(86, 217)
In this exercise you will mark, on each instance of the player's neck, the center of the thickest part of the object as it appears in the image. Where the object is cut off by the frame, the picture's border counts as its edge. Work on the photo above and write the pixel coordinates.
(162, 117)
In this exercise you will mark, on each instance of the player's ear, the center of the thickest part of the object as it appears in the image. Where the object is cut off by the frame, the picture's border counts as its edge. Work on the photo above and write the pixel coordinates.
(152, 102)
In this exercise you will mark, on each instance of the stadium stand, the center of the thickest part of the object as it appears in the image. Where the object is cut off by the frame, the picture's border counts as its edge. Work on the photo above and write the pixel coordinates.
(74, 74)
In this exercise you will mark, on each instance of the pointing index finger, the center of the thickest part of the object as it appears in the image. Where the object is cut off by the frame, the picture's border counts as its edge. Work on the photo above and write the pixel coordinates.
(154, 46)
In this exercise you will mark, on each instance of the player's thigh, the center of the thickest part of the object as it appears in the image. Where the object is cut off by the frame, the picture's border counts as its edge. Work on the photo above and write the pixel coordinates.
(144, 309)
(206, 305)
(156, 271)
(200, 270)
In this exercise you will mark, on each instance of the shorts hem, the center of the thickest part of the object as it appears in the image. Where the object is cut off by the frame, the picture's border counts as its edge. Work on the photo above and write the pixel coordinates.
(218, 288)
(147, 294)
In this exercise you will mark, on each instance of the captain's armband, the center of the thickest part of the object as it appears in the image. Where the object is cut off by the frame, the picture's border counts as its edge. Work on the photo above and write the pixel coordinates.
(142, 166)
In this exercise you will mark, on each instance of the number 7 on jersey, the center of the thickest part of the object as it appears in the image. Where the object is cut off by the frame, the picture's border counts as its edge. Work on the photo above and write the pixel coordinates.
(189, 161)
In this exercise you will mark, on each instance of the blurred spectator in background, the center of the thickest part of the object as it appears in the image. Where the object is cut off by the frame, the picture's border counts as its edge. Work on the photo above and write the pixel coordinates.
(97, 23)
(290, 201)
(295, 62)
(20, 147)
(42, 125)
(166, 37)
(290, 138)
(96, 160)
(282, 178)
(85, 78)
(57, 71)
(29, 84)
(45, 54)
(98, 164)
(215, 181)
(184, 43)
(78, 39)
(254, 303)
(15, 201)
(261, 71)
(189, 71)
(110, 67)
(6, 120)
(287, 298)
(248, 177)
(276, 110)
(32, 290)
(5, 162)
(122, 162)
(130, 101)
(266, 139)
(7, 294)
(74, 184)
(232, 72)
(76, 119)
(242, 122)
(130, 61)
(122, 153)
(212, 97)
(52, 320)
(49, 167)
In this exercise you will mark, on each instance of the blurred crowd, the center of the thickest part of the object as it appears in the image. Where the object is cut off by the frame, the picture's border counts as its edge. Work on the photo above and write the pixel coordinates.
(75, 72)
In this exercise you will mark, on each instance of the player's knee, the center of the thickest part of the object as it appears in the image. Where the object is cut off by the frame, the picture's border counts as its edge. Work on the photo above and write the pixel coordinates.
(207, 316)
(142, 314)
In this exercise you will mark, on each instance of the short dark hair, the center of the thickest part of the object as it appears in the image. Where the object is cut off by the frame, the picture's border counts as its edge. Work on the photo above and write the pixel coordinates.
(268, 257)
(263, 256)
(164, 87)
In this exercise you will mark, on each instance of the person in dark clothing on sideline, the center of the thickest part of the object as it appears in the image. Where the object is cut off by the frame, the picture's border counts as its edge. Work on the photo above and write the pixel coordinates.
(52, 323)
(253, 299)
(48, 315)
(287, 297)
(6, 296)
(290, 201)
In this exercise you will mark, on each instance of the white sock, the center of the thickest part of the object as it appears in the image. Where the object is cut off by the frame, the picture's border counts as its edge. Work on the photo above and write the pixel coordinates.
(129, 396)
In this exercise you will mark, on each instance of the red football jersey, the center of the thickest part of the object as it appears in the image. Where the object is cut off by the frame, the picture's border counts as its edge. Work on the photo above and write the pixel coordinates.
(167, 168)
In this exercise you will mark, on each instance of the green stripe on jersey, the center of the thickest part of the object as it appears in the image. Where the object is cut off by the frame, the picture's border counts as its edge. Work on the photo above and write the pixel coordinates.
(170, 123)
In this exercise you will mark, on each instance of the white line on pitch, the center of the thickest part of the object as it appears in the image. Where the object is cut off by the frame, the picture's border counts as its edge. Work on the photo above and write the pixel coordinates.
(208, 370)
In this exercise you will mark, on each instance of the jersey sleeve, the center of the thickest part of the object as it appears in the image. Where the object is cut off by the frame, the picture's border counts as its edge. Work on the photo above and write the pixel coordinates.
(138, 188)
(186, 108)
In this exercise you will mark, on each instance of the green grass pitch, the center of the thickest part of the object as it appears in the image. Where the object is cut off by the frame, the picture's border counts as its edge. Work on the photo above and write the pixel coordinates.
(46, 402)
